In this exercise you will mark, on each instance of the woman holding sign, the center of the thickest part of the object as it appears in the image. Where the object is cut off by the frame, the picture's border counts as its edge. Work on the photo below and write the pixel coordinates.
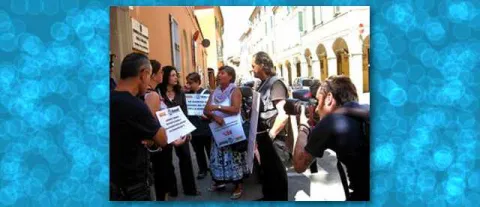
(201, 137)
(173, 96)
(226, 164)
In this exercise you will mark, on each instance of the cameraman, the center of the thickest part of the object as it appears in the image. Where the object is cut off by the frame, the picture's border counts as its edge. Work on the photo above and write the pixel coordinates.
(343, 129)
(271, 132)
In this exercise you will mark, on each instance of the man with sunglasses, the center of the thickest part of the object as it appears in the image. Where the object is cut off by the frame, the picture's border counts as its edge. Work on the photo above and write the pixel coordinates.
(343, 128)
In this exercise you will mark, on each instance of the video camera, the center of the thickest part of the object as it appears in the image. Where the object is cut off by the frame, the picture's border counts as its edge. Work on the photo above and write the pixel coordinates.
(301, 97)
(305, 97)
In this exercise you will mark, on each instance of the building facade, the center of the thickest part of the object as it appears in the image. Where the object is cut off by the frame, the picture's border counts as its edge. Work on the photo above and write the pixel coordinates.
(171, 35)
(211, 22)
(210, 19)
(315, 41)
(245, 67)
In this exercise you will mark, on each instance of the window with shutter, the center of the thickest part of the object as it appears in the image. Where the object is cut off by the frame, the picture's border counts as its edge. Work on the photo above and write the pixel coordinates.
(273, 48)
(313, 16)
(175, 43)
(187, 51)
(336, 10)
(194, 52)
(300, 21)
(320, 20)
(266, 29)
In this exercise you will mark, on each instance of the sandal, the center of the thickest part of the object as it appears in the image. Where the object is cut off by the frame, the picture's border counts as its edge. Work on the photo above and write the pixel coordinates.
(214, 187)
(236, 195)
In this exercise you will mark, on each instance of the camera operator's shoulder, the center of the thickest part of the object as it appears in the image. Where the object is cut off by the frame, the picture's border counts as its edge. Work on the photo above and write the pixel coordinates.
(335, 121)
(328, 120)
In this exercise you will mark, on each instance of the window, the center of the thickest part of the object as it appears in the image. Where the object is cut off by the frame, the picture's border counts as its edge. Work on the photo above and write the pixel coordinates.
(194, 52)
(176, 56)
(273, 48)
(313, 16)
(336, 10)
(300, 21)
(266, 29)
(319, 13)
(187, 51)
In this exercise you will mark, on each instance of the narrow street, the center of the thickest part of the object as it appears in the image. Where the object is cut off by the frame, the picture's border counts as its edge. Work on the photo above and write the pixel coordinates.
(324, 185)
(304, 44)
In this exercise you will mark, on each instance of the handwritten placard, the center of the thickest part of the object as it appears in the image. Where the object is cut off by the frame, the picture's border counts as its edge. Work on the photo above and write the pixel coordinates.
(196, 103)
(175, 122)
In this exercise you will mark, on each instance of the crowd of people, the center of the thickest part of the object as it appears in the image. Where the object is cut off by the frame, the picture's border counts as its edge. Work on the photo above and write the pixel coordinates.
(141, 160)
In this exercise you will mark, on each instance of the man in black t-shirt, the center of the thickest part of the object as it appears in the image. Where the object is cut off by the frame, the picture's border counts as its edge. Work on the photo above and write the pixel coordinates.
(271, 131)
(132, 128)
(113, 84)
(342, 128)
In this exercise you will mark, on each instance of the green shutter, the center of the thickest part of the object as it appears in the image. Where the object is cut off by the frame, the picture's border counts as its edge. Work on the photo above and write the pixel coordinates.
(300, 21)
(313, 16)
(266, 32)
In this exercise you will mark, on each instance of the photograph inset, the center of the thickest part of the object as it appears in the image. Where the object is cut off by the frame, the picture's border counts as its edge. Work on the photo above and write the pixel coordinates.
(245, 103)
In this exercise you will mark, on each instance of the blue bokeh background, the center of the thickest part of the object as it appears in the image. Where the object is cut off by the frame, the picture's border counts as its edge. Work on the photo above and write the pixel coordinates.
(54, 101)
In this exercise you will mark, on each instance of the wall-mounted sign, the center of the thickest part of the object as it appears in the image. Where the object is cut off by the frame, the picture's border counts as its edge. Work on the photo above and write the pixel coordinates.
(140, 36)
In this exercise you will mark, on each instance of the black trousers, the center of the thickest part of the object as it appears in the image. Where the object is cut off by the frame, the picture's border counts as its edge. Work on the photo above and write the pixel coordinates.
(275, 182)
(136, 192)
(186, 168)
(165, 179)
(164, 172)
(202, 144)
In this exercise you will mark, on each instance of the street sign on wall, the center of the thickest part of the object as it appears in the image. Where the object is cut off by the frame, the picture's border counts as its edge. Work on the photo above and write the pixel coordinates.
(140, 36)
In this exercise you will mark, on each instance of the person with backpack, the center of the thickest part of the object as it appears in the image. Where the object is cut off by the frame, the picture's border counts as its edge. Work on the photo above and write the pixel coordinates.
(343, 128)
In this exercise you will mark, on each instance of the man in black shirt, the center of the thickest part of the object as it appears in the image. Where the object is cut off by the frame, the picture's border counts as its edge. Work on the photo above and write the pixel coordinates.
(132, 128)
(343, 129)
(113, 84)
(271, 131)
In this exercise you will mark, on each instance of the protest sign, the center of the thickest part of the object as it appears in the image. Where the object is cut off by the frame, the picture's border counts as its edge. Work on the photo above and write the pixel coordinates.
(196, 103)
(231, 132)
(175, 123)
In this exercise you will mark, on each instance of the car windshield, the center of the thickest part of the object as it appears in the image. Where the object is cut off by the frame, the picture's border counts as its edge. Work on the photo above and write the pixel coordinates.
(307, 82)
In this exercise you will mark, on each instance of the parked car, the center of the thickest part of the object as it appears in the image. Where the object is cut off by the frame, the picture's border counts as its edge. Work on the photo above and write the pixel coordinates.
(303, 83)
(252, 83)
